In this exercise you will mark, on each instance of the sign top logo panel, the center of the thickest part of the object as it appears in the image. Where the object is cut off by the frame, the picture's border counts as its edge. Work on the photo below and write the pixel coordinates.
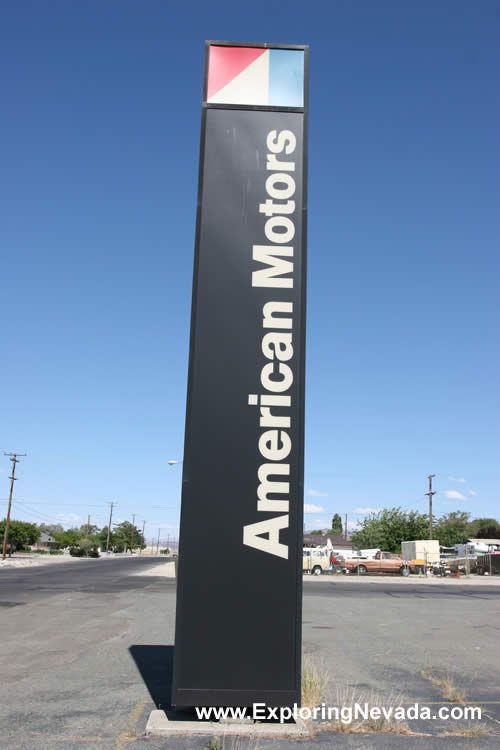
(255, 76)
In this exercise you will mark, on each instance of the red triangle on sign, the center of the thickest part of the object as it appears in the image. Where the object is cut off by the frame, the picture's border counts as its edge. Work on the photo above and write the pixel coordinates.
(225, 63)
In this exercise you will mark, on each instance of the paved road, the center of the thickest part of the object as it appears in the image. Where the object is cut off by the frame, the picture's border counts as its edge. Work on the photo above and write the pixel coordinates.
(28, 584)
(86, 653)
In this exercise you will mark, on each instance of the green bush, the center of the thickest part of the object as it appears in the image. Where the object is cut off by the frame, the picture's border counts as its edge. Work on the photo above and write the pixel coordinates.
(77, 552)
(56, 552)
(39, 551)
(165, 551)
(82, 552)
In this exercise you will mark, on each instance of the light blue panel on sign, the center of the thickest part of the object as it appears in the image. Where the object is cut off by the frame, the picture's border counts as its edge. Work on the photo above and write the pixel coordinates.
(286, 78)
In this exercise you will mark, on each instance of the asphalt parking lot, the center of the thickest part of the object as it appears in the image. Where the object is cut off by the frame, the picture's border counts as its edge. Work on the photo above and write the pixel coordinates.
(392, 629)
(87, 647)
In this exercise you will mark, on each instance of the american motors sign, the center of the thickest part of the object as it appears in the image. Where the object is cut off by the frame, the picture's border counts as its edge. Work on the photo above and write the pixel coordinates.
(238, 622)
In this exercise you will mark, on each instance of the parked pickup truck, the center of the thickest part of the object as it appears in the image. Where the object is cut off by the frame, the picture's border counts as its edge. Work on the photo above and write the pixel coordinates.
(383, 562)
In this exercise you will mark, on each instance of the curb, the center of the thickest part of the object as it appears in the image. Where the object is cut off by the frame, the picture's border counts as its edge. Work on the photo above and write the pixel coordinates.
(159, 725)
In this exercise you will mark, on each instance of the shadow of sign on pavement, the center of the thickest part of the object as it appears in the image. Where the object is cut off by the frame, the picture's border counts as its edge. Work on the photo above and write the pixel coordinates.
(155, 664)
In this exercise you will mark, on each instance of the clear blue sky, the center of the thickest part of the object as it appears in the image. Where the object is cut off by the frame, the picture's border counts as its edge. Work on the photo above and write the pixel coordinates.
(100, 136)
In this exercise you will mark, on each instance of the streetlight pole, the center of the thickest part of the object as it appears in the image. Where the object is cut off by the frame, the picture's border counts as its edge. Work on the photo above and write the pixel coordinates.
(172, 462)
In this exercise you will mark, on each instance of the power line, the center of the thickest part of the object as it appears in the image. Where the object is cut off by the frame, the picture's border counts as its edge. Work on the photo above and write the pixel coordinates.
(90, 505)
(33, 511)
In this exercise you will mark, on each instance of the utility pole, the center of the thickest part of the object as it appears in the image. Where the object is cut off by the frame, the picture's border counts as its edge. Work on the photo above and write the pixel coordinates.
(109, 524)
(132, 535)
(158, 545)
(13, 458)
(345, 528)
(143, 539)
(430, 493)
(88, 524)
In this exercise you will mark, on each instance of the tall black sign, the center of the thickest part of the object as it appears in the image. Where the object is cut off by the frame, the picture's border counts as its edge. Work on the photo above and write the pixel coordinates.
(239, 594)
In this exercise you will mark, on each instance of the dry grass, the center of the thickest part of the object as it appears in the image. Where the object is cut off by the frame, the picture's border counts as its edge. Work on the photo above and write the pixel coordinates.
(449, 690)
(467, 730)
(240, 743)
(314, 682)
(314, 693)
(348, 696)
(232, 743)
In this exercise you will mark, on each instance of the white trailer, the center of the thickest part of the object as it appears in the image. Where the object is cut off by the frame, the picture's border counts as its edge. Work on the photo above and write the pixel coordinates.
(426, 550)
(347, 554)
(369, 553)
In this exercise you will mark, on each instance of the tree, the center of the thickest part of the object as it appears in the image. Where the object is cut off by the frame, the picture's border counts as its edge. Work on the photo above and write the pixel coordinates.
(93, 529)
(122, 536)
(21, 533)
(484, 528)
(370, 534)
(88, 547)
(452, 528)
(102, 537)
(337, 525)
(388, 528)
(316, 531)
(68, 538)
(51, 528)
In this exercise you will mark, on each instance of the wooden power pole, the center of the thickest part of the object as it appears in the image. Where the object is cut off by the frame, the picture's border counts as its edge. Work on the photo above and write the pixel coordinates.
(13, 458)
(430, 493)
(143, 540)
(109, 524)
(132, 535)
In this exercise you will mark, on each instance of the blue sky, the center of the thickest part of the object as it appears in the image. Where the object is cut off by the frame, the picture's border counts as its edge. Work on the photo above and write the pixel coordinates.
(100, 136)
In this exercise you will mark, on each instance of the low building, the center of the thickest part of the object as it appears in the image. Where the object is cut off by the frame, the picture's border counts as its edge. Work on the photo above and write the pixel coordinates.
(46, 541)
(335, 542)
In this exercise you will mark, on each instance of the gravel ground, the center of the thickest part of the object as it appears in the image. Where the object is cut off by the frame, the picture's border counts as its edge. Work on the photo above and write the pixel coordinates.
(166, 570)
(22, 561)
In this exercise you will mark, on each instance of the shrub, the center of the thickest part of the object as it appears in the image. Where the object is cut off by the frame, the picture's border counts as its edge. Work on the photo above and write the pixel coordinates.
(56, 552)
(84, 552)
(77, 552)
